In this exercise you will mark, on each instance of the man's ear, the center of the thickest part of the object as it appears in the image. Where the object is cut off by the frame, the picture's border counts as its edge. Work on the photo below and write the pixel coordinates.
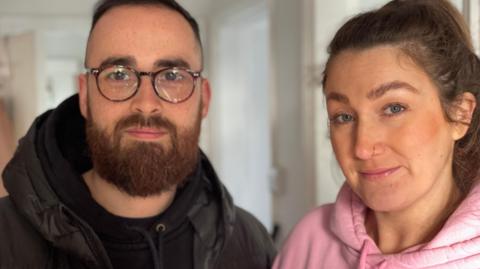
(206, 96)
(462, 113)
(82, 82)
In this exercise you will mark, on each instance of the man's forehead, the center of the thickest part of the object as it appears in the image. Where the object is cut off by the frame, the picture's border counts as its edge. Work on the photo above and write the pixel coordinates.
(130, 12)
(138, 31)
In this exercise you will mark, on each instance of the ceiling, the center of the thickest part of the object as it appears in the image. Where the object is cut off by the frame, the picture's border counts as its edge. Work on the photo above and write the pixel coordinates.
(75, 7)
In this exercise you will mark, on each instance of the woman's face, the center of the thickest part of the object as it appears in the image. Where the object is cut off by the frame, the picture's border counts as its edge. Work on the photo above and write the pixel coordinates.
(388, 129)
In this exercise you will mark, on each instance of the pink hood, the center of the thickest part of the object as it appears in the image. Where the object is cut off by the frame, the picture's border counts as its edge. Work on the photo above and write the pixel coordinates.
(334, 236)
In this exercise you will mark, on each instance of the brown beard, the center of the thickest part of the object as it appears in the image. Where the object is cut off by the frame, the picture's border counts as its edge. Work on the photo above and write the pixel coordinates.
(143, 168)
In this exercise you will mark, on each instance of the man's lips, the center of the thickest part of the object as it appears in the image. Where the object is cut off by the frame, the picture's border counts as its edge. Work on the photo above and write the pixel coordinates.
(378, 173)
(146, 132)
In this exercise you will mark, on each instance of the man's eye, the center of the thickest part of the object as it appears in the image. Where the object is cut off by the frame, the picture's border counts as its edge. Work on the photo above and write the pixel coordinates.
(172, 76)
(342, 118)
(119, 76)
(393, 109)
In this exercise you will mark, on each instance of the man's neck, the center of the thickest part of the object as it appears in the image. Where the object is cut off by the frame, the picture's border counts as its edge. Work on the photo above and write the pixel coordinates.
(121, 204)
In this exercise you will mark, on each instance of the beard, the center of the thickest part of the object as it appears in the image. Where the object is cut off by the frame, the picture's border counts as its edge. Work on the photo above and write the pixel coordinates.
(141, 168)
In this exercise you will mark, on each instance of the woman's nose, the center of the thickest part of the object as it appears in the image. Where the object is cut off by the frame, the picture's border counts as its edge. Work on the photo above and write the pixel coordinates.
(367, 142)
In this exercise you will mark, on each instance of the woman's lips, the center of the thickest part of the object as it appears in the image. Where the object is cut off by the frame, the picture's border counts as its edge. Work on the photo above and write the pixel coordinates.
(380, 173)
(146, 133)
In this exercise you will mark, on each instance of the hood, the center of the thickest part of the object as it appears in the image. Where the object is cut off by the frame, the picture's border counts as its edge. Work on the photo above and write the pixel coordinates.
(27, 178)
(457, 245)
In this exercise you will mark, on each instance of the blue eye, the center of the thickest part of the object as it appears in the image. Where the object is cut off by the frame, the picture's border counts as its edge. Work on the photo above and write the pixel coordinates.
(342, 118)
(393, 109)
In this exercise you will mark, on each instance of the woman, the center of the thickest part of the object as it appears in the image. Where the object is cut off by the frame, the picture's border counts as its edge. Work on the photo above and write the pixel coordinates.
(402, 89)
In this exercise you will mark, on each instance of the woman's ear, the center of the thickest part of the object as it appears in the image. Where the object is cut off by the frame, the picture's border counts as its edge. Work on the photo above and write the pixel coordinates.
(462, 113)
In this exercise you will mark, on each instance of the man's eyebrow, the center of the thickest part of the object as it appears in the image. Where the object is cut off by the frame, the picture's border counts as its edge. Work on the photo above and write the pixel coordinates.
(389, 86)
(335, 96)
(121, 60)
(176, 62)
(130, 61)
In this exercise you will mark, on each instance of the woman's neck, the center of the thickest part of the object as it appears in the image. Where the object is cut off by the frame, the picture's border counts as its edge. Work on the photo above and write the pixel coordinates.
(396, 231)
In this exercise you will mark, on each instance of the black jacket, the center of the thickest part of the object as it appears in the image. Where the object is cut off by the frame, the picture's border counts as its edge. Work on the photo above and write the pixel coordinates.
(39, 230)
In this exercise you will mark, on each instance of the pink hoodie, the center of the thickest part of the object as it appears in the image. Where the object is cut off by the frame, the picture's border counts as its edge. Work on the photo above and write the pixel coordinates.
(333, 236)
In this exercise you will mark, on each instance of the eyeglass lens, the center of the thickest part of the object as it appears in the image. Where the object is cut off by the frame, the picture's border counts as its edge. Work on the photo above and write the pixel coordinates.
(119, 83)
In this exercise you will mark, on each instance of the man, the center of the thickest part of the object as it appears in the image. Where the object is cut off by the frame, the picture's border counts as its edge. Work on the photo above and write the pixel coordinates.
(113, 177)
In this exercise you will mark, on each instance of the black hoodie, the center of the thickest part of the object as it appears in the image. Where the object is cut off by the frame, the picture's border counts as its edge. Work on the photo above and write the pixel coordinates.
(50, 220)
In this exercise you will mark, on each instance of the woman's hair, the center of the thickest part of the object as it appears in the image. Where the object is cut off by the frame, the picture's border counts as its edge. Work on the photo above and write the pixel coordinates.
(434, 34)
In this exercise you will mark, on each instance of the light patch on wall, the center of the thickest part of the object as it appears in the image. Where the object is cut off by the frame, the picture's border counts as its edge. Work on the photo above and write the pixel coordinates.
(4, 65)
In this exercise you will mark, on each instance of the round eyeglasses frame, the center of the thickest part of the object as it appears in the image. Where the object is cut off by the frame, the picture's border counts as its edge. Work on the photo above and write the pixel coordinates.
(195, 75)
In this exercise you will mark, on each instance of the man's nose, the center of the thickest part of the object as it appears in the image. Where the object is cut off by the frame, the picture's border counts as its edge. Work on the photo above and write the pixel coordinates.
(146, 101)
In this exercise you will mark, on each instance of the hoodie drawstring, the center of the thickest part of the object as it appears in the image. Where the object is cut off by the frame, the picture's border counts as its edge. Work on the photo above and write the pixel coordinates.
(157, 254)
(363, 256)
(160, 229)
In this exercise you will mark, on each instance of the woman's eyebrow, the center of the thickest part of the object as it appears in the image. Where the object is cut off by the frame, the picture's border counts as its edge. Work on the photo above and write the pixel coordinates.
(335, 96)
(389, 86)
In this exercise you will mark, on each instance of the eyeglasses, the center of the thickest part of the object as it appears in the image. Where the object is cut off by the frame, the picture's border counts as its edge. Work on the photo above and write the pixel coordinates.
(119, 83)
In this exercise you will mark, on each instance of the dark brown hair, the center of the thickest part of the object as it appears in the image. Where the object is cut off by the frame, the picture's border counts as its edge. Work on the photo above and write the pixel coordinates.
(434, 34)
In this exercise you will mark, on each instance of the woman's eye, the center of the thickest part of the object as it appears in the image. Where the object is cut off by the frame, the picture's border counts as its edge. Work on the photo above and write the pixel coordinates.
(341, 118)
(393, 109)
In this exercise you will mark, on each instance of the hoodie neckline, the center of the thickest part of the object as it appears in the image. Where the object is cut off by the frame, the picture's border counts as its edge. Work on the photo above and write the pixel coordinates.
(348, 224)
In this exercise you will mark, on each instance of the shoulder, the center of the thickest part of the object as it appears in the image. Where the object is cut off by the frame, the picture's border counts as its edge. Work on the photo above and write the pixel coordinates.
(248, 225)
(309, 239)
(316, 220)
(20, 245)
(249, 244)
(314, 225)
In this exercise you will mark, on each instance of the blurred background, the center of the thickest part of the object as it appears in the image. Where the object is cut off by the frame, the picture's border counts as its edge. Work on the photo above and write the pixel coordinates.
(266, 133)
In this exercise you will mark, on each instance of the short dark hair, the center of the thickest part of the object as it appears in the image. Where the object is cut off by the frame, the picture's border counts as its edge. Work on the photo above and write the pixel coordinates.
(105, 5)
(434, 34)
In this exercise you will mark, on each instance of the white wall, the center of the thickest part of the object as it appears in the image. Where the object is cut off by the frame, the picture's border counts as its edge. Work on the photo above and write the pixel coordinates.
(293, 126)
(239, 120)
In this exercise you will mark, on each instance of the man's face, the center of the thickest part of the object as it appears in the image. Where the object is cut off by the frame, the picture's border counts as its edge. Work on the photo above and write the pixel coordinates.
(143, 145)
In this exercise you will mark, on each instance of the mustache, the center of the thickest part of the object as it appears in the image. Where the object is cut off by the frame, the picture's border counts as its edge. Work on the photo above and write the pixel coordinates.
(139, 120)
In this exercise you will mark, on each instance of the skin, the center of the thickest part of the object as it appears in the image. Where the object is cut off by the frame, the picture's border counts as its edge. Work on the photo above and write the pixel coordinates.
(146, 38)
(394, 143)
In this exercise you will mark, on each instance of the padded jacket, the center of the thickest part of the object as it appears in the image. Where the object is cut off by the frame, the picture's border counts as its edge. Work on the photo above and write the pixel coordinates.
(38, 230)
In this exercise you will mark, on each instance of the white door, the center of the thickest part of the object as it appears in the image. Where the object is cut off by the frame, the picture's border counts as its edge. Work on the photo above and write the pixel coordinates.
(239, 122)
